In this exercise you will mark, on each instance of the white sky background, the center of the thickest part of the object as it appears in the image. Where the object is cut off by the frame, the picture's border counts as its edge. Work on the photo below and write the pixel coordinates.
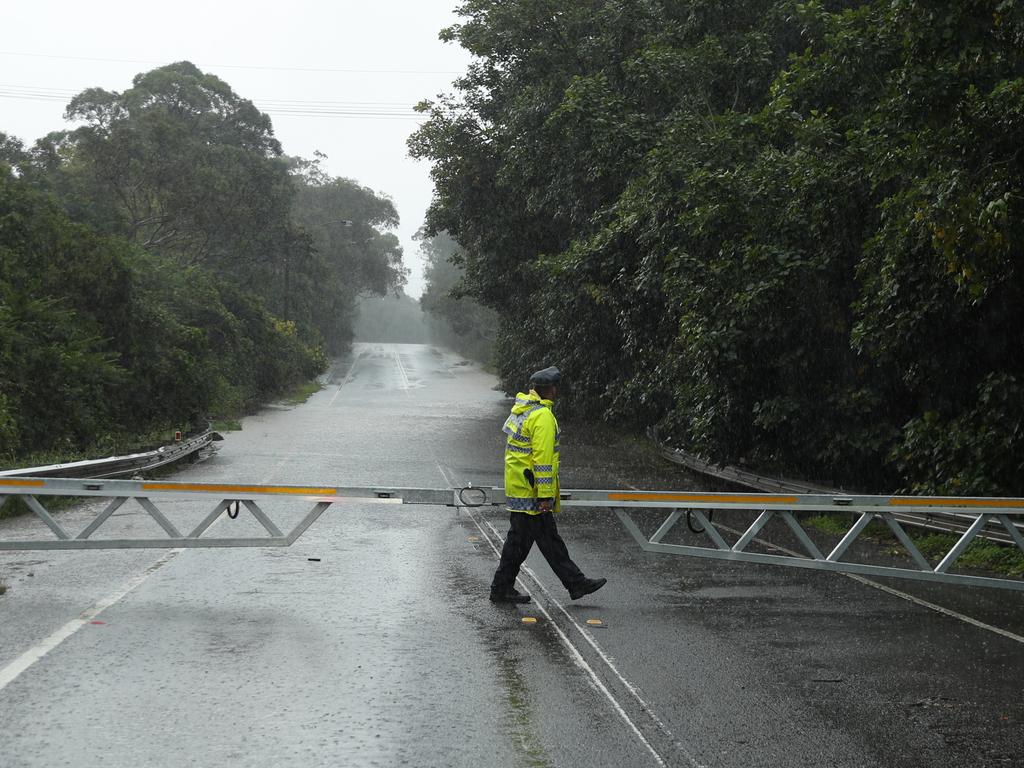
(265, 52)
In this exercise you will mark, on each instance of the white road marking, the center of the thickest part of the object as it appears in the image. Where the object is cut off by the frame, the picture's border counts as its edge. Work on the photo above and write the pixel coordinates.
(11, 672)
(578, 657)
(401, 371)
(346, 380)
(633, 690)
(937, 608)
(882, 587)
(895, 592)
(445, 476)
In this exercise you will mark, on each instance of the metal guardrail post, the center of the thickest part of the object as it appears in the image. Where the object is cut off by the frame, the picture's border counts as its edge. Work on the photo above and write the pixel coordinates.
(120, 466)
(956, 524)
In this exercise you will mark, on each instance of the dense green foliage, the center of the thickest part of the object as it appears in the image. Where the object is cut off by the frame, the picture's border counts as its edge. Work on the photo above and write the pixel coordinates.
(789, 233)
(164, 262)
(352, 253)
(456, 320)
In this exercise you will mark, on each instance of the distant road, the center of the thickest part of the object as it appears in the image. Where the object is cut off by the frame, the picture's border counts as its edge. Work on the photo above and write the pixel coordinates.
(371, 642)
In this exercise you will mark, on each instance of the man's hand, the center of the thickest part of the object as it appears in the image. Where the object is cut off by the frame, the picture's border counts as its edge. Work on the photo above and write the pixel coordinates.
(545, 505)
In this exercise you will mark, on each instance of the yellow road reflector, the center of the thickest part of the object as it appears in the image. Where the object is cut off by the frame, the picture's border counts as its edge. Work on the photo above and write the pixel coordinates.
(529, 620)
(595, 622)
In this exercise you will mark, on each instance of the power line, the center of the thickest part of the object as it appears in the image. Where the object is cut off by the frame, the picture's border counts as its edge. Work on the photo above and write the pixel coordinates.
(43, 90)
(344, 70)
(281, 107)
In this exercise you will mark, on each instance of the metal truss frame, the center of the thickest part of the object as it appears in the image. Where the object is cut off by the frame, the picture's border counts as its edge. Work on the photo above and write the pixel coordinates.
(148, 494)
(1005, 513)
(985, 513)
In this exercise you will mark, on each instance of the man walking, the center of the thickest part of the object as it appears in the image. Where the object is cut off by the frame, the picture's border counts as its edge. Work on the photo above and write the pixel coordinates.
(531, 492)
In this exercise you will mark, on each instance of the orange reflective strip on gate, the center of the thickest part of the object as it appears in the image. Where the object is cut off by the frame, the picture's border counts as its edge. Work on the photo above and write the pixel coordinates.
(953, 501)
(23, 483)
(704, 498)
(269, 489)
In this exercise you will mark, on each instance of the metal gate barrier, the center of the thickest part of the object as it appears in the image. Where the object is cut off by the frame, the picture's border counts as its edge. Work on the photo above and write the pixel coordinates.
(711, 542)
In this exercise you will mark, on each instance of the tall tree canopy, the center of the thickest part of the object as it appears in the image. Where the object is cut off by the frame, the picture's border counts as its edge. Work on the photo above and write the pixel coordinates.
(179, 164)
(164, 260)
(351, 252)
(185, 168)
(788, 233)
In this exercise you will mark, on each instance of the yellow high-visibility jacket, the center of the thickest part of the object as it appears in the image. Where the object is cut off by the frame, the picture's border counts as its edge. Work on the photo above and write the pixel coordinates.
(531, 454)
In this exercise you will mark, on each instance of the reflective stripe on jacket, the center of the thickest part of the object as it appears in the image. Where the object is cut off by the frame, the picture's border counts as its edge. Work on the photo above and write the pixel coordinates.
(531, 454)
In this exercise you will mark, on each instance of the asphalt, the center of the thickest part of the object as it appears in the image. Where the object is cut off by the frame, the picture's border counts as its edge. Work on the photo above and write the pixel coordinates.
(371, 641)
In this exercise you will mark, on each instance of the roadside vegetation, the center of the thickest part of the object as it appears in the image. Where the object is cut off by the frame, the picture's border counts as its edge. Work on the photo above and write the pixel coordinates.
(980, 553)
(301, 392)
(165, 262)
(454, 318)
(107, 445)
(787, 233)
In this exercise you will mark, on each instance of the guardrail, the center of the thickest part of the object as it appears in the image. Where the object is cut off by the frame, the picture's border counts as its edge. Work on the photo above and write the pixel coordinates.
(766, 508)
(955, 524)
(122, 466)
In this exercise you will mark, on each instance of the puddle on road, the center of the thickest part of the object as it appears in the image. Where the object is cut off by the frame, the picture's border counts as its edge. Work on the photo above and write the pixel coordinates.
(771, 593)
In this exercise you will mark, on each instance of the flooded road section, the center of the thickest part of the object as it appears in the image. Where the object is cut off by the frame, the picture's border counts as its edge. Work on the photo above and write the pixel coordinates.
(371, 641)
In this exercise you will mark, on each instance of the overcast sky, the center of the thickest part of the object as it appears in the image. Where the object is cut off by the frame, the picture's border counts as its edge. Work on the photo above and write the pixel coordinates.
(376, 58)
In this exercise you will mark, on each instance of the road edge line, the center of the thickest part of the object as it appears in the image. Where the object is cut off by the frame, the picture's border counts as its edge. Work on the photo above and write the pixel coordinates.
(897, 593)
(24, 662)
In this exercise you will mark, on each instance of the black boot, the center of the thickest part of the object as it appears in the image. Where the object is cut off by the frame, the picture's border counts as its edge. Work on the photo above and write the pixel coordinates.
(509, 595)
(585, 587)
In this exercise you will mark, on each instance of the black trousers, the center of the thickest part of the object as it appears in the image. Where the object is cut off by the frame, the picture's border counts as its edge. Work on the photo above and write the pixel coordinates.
(526, 529)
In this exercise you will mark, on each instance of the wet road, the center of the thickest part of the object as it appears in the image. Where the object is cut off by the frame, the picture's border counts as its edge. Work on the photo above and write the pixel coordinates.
(384, 650)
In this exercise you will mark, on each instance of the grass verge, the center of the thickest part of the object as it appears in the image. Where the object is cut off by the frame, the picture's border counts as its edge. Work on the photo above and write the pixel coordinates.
(121, 445)
(302, 392)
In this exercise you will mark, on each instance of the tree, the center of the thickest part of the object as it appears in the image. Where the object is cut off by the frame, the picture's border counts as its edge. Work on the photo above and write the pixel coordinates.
(351, 253)
(99, 340)
(183, 167)
(786, 233)
(456, 320)
(178, 163)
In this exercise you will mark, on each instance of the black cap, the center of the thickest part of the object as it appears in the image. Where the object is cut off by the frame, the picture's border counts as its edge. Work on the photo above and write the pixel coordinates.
(546, 378)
